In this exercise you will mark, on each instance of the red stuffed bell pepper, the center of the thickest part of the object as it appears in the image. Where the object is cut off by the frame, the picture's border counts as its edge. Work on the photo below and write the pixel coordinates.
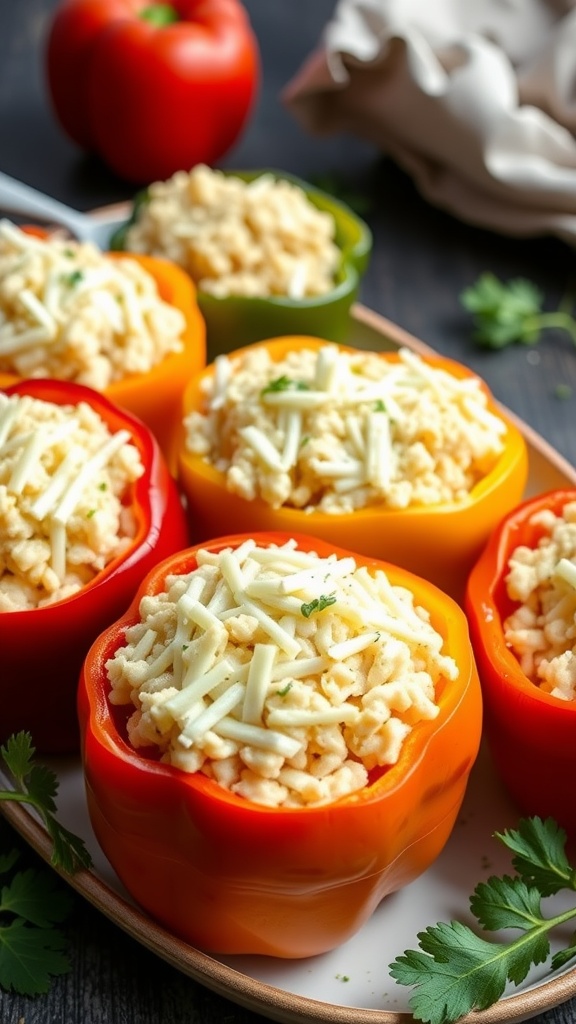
(531, 732)
(152, 88)
(43, 645)
(218, 866)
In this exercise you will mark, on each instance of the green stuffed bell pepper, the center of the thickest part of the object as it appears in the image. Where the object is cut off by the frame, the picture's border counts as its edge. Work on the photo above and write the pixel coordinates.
(270, 254)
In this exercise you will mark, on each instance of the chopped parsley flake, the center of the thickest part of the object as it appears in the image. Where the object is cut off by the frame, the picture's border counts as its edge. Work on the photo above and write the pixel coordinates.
(74, 278)
(318, 604)
(284, 383)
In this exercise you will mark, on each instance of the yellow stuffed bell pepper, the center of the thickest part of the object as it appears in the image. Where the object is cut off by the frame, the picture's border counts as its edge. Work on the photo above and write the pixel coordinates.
(438, 539)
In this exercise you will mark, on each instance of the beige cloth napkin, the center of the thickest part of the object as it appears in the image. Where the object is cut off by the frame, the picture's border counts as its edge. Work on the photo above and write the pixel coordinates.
(475, 99)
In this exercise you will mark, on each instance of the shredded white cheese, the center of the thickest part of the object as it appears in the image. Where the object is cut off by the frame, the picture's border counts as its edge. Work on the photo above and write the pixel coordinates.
(284, 708)
(259, 238)
(335, 431)
(68, 311)
(63, 477)
(541, 631)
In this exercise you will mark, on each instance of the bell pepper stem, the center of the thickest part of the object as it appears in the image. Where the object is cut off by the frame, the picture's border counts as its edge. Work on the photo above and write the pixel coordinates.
(159, 14)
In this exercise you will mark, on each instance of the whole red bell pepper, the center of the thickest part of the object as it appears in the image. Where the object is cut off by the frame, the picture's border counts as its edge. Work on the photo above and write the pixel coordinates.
(42, 649)
(531, 734)
(152, 88)
(233, 876)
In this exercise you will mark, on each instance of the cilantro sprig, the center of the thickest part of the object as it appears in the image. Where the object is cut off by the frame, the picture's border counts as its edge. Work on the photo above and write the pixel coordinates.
(32, 900)
(509, 312)
(456, 970)
(37, 785)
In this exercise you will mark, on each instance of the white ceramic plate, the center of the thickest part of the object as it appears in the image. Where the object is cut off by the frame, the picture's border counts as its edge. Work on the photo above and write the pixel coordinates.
(350, 985)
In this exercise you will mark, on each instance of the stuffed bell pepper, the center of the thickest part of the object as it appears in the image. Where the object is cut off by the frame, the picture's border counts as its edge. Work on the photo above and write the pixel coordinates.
(269, 253)
(128, 327)
(87, 507)
(521, 605)
(400, 457)
(276, 735)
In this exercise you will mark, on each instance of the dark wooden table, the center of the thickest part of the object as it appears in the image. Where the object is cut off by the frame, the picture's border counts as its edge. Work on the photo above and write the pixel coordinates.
(422, 260)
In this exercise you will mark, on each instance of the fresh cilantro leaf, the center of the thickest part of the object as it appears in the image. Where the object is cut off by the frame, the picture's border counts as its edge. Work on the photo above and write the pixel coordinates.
(284, 383)
(37, 785)
(506, 903)
(7, 861)
(456, 970)
(540, 854)
(32, 901)
(318, 604)
(510, 312)
(18, 754)
(69, 851)
(37, 897)
(30, 957)
(42, 786)
(563, 957)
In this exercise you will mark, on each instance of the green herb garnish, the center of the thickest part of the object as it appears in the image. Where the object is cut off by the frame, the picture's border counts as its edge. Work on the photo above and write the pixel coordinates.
(37, 785)
(379, 405)
(505, 313)
(74, 278)
(455, 970)
(285, 690)
(284, 383)
(32, 901)
(318, 604)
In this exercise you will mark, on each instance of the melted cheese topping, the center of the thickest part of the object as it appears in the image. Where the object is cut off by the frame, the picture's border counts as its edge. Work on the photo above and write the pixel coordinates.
(283, 676)
(542, 629)
(63, 477)
(69, 312)
(336, 431)
(260, 238)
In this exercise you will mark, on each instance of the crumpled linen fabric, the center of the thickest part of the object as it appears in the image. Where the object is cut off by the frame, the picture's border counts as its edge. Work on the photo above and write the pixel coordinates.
(475, 99)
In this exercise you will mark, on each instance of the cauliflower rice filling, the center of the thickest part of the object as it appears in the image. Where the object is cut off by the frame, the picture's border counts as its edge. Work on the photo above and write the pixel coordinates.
(233, 237)
(63, 477)
(542, 630)
(282, 676)
(334, 431)
(69, 312)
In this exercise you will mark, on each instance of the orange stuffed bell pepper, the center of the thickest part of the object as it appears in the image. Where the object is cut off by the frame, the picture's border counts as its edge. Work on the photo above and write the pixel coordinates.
(521, 616)
(135, 332)
(383, 475)
(265, 799)
(112, 531)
